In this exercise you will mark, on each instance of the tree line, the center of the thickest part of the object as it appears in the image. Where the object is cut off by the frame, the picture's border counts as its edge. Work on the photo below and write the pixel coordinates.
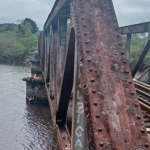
(18, 40)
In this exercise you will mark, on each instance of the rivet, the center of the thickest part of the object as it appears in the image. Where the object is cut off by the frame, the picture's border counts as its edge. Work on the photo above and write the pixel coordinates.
(94, 91)
(122, 52)
(136, 105)
(126, 71)
(87, 51)
(100, 130)
(146, 145)
(85, 33)
(124, 61)
(77, 25)
(97, 116)
(87, 41)
(101, 144)
(95, 103)
(142, 130)
(86, 110)
(132, 93)
(81, 59)
(84, 85)
(130, 82)
(89, 60)
(138, 117)
(92, 80)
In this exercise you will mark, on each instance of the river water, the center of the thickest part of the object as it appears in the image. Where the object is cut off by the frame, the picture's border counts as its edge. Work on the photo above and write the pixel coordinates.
(22, 126)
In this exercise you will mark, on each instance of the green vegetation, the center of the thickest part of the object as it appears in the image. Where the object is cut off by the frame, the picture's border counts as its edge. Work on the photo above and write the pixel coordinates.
(18, 41)
(138, 42)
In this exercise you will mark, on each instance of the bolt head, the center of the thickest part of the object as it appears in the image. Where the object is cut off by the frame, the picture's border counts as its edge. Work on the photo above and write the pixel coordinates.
(142, 130)
(95, 103)
(97, 116)
(138, 117)
(100, 130)
(101, 144)
(146, 145)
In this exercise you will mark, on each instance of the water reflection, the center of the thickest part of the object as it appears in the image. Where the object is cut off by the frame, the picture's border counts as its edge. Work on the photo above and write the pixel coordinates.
(22, 127)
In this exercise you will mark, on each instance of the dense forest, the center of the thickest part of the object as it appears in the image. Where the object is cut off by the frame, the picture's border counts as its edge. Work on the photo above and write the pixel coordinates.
(18, 40)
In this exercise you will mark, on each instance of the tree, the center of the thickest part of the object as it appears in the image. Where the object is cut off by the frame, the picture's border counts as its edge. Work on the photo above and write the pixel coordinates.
(27, 25)
(33, 24)
(30, 42)
(14, 45)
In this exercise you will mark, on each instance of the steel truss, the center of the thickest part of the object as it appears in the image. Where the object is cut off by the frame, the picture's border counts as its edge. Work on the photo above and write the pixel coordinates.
(85, 65)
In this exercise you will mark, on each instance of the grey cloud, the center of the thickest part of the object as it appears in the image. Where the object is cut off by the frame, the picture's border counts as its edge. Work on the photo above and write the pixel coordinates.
(12, 10)
(128, 11)
(132, 11)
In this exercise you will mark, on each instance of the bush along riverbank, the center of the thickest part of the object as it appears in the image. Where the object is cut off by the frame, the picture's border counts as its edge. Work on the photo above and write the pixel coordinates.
(18, 41)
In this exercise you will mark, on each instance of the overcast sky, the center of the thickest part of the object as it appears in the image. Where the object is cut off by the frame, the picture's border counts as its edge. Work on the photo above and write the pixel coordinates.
(128, 11)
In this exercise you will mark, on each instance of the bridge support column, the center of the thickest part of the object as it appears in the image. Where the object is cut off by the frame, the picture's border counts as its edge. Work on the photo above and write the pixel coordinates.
(128, 45)
(62, 39)
(35, 86)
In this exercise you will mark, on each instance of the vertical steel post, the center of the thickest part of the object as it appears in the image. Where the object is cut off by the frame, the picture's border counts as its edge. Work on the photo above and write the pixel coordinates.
(128, 45)
(62, 37)
(141, 57)
(79, 137)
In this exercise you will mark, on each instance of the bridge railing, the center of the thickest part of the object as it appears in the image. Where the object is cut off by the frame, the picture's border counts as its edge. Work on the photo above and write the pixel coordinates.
(129, 31)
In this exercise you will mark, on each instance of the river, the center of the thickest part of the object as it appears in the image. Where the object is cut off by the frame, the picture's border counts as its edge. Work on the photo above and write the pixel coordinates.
(22, 126)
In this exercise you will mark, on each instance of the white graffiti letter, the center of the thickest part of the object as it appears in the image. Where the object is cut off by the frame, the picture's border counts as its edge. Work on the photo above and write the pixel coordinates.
(80, 108)
(78, 134)
(78, 143)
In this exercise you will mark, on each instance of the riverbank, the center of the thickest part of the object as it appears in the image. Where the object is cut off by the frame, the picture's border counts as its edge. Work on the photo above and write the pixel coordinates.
(26, 60)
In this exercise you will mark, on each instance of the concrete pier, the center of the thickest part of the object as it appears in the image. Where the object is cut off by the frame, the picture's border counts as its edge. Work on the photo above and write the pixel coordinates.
(35, 85)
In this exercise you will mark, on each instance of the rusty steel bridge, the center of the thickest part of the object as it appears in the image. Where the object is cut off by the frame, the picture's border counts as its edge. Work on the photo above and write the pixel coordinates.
(85, 68)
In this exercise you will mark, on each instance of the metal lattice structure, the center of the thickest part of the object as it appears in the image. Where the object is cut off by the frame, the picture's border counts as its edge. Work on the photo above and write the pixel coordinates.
(86, 66)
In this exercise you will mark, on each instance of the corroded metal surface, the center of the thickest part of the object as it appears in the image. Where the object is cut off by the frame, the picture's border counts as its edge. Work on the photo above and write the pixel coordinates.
(61, 51)
(106, 80)
(128, 45)
(112, 115)
(79, 135)
(63, 139)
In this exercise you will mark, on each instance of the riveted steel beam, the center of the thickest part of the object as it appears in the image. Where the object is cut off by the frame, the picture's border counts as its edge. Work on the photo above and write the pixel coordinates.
(136, 28)
(61, 51)
(67, 83)
(57, 11)
(113, 120)
(128, 45)
(102, 83)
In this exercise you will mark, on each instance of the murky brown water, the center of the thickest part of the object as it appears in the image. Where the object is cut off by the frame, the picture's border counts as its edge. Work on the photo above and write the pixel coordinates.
(22, 127)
